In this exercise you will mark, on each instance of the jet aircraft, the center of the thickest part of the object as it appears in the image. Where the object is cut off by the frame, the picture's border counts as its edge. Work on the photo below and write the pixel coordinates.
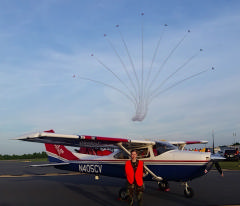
(163, 161)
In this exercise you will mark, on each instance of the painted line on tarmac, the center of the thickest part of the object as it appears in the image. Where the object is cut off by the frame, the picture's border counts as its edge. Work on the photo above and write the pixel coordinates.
(40, 175)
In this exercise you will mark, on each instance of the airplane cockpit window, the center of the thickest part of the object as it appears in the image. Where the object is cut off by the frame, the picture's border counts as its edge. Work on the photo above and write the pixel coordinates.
(121, 155)
(163, 147)
(141, 154)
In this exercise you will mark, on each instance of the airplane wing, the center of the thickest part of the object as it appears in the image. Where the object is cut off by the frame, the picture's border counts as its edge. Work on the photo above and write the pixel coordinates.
(182, 144)
(96, 141)
(89, 141)
(83, 140)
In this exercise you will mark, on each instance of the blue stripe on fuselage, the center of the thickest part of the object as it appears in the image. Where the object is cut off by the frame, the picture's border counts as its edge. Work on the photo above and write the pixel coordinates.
(53, 159)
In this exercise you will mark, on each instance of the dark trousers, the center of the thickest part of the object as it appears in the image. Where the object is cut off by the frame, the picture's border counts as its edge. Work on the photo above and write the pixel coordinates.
(135, 192)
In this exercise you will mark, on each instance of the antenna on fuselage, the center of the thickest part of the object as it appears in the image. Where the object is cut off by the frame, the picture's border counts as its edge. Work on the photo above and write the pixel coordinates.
(213, 141)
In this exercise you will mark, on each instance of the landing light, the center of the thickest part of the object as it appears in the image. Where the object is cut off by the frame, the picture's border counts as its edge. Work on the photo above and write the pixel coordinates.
(96, 177)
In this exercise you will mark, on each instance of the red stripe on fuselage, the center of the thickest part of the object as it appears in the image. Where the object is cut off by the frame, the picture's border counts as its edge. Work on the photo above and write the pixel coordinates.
(147, 161)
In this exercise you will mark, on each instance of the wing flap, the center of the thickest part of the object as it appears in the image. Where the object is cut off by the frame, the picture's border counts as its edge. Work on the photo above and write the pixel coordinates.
(182, 144)
(188, 142)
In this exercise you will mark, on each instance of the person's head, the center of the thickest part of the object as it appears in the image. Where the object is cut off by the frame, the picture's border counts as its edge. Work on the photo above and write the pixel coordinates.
(133, 154)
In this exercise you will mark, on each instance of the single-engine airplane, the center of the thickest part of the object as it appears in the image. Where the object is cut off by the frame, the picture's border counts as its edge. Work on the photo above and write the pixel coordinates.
(163, 161)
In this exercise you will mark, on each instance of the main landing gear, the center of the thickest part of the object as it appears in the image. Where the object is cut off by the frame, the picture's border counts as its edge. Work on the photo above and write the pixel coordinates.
(164, 186)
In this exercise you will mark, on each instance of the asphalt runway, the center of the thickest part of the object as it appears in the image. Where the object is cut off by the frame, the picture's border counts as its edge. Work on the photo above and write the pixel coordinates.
(24, 185)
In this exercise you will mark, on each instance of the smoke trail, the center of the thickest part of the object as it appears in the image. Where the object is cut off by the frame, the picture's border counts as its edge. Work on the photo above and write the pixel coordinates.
(110, 86)
(165, 61)
(154, 55)
(177, 70)
(124, 67)
(130, 59)
(177, 83)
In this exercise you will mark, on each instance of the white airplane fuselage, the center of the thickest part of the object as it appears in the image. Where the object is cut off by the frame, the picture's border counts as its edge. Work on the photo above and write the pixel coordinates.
(173, 165)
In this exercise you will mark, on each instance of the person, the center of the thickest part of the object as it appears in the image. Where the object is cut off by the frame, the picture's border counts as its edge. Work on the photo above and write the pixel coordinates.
(237, 154)
(134, 170)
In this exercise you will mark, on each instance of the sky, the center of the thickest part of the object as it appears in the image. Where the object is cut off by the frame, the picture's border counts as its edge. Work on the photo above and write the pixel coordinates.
(49, 46)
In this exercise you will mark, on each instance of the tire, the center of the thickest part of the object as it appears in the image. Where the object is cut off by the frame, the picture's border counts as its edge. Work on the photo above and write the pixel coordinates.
(188, 192)
(163, 185)
(123, 195)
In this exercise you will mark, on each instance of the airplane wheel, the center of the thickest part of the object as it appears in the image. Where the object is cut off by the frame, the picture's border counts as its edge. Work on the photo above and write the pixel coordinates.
(123, 195)
(188, 192)
(163, 186)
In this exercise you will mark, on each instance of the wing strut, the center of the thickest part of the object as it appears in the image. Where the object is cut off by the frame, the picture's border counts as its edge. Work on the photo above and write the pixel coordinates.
(155, 177)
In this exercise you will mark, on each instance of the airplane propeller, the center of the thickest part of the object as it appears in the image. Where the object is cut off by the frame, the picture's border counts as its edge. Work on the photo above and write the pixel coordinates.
(218, 167)
(215, 162)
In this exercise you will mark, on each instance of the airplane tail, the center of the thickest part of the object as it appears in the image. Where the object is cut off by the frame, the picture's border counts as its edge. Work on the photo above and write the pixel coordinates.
(58, 153)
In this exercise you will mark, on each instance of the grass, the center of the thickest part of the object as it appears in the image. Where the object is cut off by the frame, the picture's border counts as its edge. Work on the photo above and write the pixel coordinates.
(37, 160)
(230, 165)
(29, 160)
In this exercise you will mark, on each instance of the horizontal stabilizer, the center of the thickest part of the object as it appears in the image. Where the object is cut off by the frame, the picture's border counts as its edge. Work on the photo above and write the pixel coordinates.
(217, 157)
(50, 165)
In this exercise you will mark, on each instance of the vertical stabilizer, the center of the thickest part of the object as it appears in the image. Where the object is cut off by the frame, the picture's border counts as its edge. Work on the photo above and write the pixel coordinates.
(59, 153)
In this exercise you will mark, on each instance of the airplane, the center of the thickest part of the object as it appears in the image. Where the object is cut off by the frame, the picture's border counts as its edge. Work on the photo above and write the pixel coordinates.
(163, 161)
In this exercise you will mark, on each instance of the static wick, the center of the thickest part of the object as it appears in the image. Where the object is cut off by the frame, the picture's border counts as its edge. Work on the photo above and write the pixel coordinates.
(165, 25)
(117, 25)
(92, 55)
(142, 14)
(213, 68)
(104, 35)
(188, 31)
(201, 49)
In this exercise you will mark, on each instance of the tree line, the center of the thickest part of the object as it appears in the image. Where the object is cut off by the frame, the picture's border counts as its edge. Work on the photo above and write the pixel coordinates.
(35, 155)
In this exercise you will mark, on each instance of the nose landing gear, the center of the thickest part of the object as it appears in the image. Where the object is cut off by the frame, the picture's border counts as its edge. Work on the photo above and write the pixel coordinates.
(188, 191)
(163, 186)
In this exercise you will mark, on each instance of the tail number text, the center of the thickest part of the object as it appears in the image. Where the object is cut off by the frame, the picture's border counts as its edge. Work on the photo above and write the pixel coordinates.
(90, 168)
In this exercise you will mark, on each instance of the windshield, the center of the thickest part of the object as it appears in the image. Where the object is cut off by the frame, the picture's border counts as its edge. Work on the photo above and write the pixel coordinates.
(141, 153)
(121, 155)
(162, 147)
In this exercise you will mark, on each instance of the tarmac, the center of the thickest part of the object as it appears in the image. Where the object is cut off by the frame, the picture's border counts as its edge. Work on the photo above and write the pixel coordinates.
(28, 186)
